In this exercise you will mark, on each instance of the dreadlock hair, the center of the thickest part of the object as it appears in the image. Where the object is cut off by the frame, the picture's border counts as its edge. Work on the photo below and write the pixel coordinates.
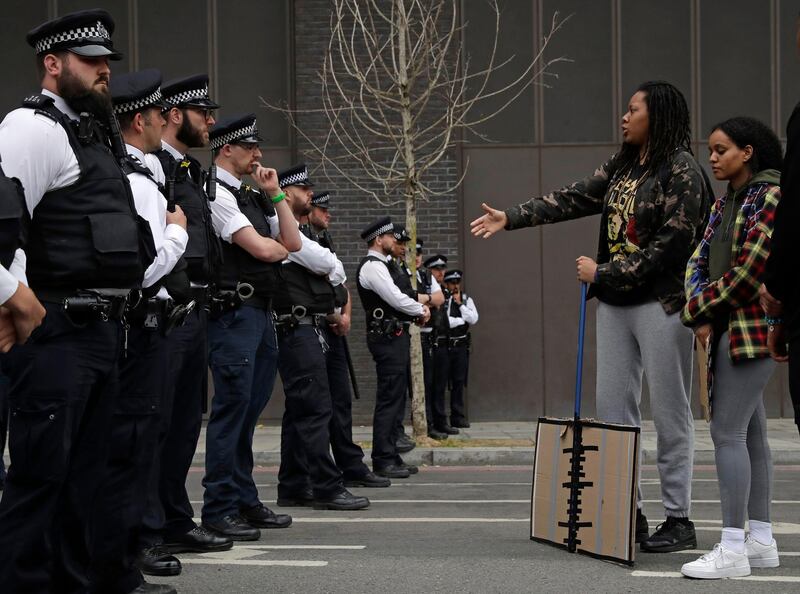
(670, 127)
(744, 131)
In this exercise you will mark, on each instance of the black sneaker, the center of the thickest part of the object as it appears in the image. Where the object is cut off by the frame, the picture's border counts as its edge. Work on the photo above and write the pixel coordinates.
(642, 528)
(675, 534)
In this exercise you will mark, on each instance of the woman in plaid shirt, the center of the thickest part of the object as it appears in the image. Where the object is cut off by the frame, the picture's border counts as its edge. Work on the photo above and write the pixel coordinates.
(722, 281)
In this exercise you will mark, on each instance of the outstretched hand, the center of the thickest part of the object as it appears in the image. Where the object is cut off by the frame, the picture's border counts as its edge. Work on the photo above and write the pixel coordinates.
(493, 221)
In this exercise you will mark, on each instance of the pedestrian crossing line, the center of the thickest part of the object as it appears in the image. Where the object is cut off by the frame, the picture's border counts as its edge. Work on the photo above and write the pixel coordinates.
(411, 520)
(308, 547)
(407, 484)
(253, 562)
(774, 501)
(787, 579)
(698, 552)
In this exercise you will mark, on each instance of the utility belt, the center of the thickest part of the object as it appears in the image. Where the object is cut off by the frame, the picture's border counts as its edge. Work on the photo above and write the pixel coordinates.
(103, 304)
(456, 341)
(432, 339)
(159, 314)
(222, 301)
(200, 295)
(383, 326)
(287, 322)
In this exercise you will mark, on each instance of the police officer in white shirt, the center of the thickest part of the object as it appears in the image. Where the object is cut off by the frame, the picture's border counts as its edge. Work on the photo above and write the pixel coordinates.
(144, 364)
(461, 315)
(389, 315)
(258, 231)
(86, 248)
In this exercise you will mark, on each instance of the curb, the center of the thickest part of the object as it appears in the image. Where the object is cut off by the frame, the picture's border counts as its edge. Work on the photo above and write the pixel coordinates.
(496, 457)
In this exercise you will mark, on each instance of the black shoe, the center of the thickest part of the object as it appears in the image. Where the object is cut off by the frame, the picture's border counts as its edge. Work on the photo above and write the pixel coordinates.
(405, 444)
(146, 588)
(393, 471)
(435, 434)
(233, 527)
(675, 534)
(156, 560)
(642, 528)
(409, 467)
(302, 499)
(447, 429)
(198, 540)
(343, 500)
(460, 423)
(261, 516)
(370, 480)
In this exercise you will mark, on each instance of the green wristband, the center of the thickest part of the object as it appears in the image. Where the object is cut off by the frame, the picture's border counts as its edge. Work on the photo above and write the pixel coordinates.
(278, 198)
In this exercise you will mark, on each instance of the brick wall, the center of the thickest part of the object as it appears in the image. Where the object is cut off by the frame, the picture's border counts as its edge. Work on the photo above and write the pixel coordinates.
(353, 210)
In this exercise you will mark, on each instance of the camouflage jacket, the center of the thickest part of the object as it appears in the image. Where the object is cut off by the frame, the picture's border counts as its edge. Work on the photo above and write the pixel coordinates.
(668, 219)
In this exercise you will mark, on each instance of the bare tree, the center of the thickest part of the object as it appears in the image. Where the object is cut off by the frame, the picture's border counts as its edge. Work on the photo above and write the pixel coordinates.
(399, 92)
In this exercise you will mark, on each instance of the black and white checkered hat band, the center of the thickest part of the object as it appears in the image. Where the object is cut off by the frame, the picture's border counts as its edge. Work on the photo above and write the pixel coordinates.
(246, 132)
(300, 177)
(388, 228)
(437, 262)
(97, 31)
(151, 99)
(186, 96)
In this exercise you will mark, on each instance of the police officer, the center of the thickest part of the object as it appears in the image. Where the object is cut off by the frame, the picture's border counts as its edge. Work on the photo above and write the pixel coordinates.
(304, 303)
(258, 230)
(402, 278)
(86, 248)
(389, 313)
(462, 314)
(143, 367)
(316, 223)
(168, 519)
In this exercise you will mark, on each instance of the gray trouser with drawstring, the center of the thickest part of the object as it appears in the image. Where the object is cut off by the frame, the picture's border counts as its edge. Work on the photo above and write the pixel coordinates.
(739, 431)
(640, 338)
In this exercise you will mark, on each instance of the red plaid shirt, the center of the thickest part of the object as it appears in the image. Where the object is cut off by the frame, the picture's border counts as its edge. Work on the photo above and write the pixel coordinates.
(735, 294)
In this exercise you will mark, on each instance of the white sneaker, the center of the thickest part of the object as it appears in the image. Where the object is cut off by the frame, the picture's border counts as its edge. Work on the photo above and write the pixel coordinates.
(761, 555)
(719, 563)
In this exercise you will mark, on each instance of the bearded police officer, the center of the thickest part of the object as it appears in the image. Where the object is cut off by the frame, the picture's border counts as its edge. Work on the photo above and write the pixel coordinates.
(143, 367)
(258, 230)
(462, 314)
(389, 314)
(86, 249)
(318, 220)
(304, 303)
(168, 523)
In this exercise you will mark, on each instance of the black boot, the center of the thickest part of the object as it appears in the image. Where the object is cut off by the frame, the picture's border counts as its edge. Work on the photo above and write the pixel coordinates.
(675, 534)
(156, 560)
(642, 528)
(344, 500)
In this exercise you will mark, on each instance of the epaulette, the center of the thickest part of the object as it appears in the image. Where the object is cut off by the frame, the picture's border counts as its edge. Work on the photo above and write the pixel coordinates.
(42, 104)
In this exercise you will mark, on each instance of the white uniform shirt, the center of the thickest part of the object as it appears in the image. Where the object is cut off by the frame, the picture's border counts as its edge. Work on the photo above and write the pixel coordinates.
(225, 214)
(469, 313)
(319, 260)
(36, 150)
(376, 277)
(170, 240)
(435, 288)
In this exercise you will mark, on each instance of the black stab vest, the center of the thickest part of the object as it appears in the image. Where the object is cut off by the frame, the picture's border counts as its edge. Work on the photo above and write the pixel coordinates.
(238, 265)
(87, 235)
(372, 301)
(324, 239)
(14, 218)
(455, 312)
(203, 248)
(301, 287)
(401, 279)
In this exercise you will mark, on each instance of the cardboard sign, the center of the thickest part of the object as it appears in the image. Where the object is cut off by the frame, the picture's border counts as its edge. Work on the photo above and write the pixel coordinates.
(584, 496)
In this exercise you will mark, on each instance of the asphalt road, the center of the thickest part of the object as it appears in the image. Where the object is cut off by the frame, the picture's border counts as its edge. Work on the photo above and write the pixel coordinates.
(457, 529)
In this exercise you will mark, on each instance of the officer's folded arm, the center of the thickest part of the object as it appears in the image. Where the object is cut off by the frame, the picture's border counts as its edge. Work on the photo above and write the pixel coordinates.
(258, 246)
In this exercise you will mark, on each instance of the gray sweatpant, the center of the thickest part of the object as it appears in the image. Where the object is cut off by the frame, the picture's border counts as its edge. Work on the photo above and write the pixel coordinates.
(642, 338)
(739, 431)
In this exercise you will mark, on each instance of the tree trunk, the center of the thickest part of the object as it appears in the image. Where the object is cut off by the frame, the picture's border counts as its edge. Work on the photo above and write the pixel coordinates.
(418, 415)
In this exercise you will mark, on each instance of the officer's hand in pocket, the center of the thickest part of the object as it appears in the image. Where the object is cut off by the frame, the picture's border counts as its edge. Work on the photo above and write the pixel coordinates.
(27, 312)
(8, 334)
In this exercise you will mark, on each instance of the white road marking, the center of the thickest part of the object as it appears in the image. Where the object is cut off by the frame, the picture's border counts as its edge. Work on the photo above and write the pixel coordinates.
(775, 501)
(254, 562)
(309, 547)
(339, 520)
(406, 484)
(698, 552)
(750, 578)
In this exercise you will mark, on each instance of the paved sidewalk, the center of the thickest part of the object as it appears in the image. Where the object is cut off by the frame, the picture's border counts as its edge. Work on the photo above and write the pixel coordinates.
(783, 437)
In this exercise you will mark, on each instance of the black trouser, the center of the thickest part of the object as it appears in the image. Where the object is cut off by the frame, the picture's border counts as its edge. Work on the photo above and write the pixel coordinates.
(305, 440)
(459, 366)
(63, 388)
(348, 455)
(3, 423)
(168, 513)
(794, 375)
(134, 437)
(436, 363)
(390, 354)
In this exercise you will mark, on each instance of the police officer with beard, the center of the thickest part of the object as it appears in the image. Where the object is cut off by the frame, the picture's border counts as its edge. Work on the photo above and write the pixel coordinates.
(167, 524)
(461, 314)
(305, 303)
(86, 249)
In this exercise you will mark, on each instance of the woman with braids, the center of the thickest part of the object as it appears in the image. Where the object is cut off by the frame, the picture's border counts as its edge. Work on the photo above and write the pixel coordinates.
(722, 283)
(654, 201)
